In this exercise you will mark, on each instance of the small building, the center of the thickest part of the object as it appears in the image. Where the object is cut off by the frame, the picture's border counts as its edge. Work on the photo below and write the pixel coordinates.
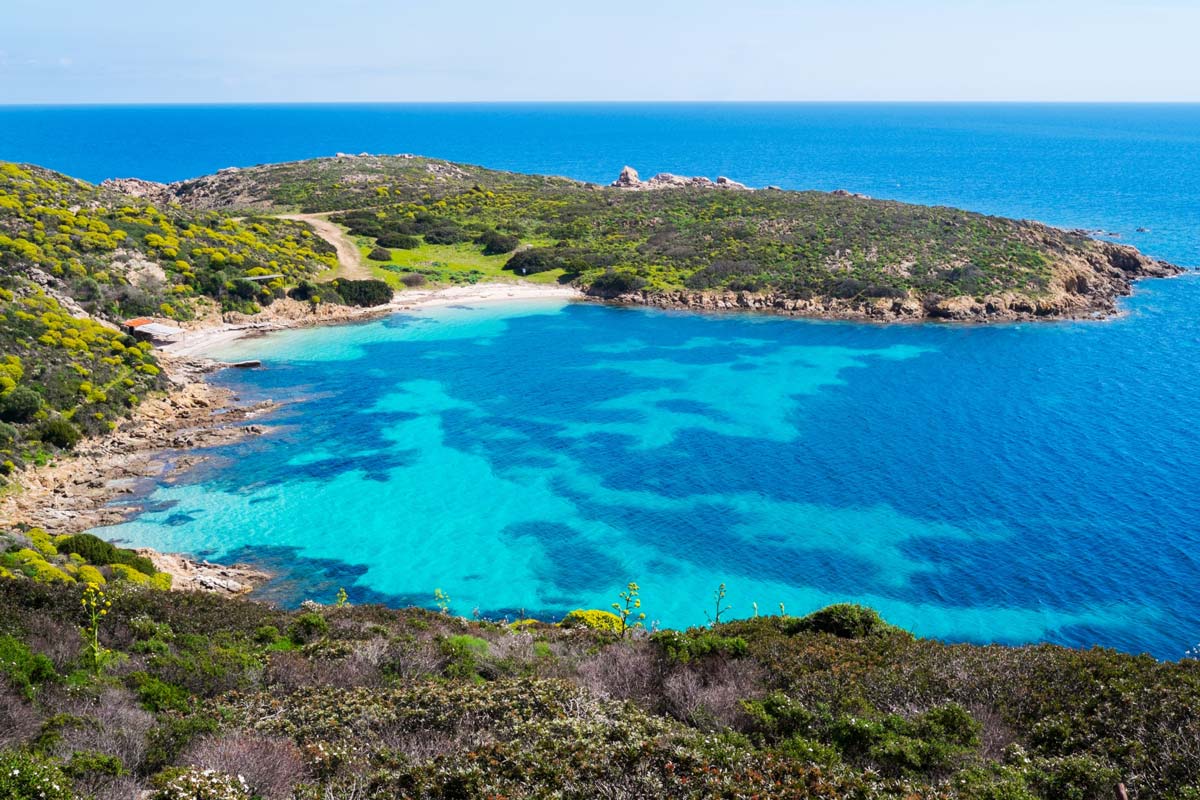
(147, 329)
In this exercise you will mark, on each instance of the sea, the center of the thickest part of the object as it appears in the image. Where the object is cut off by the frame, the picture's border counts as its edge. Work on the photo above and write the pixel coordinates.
(1017, 483)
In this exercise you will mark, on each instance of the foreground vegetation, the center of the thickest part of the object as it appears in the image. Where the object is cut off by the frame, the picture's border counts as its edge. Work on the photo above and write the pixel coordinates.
(193, 696)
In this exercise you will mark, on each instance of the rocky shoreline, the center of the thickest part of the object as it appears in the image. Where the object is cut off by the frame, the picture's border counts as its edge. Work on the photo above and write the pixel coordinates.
(1089, 289)
(157, 442)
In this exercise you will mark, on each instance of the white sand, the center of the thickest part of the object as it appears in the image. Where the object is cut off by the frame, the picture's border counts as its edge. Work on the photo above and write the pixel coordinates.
(202, 341)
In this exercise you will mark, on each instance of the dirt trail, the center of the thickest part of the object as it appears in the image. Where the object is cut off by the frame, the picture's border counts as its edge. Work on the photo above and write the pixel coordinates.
(349, 258)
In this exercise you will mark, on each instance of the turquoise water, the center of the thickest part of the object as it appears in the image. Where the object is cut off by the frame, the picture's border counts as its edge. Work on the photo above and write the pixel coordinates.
(1019, 483)
(1016, 483)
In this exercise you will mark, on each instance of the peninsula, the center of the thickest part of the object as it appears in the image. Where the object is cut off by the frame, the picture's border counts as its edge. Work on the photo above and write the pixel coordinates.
(687, 242)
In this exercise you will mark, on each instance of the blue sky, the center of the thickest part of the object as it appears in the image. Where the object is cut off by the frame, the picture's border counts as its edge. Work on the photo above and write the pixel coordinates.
(79, 51)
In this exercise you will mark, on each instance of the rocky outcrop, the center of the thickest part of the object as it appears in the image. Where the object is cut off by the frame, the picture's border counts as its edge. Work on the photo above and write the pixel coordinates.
(188, 574)
(629, 179)
(136, 187)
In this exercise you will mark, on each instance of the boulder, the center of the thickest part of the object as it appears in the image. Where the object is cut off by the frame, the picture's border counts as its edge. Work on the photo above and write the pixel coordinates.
(628, 179)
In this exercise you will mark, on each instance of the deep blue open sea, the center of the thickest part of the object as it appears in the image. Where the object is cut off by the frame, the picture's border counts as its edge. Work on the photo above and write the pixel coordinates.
(1013, 483)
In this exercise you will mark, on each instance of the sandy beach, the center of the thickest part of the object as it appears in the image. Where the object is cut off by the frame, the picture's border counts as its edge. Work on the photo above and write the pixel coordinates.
(283, 314)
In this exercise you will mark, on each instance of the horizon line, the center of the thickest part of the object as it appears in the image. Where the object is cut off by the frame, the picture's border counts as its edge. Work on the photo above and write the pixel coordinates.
(283, 103)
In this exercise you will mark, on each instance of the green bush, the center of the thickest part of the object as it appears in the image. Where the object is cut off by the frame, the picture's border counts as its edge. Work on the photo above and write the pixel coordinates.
(398, 241)
(844, 620)
(88, 763)
(684, 647)
(157, 695)
(370, 292)
(533, 260)
(380, 254)
(172, 735)
(463, 655)
(95, 550)
(25, 777)
(308, 627)
(611, 283)
(60, 433)
(25, 670)
(412, 279)
(446, 234)
(20, 405)
(496, 243)
(8, 434)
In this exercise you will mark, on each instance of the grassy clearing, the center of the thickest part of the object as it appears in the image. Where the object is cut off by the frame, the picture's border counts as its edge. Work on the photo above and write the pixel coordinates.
(446, 265)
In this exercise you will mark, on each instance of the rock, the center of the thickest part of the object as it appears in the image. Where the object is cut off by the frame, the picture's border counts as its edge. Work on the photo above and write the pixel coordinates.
(847, 193)
(135, 187)
(628, 179)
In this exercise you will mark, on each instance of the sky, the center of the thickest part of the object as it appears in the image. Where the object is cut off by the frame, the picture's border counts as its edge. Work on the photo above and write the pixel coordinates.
(246, 51)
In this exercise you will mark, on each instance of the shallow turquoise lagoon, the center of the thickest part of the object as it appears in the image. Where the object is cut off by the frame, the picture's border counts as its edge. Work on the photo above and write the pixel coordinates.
(1016, 483)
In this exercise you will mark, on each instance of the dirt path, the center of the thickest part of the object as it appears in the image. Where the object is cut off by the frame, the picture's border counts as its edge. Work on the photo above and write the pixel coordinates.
(349, 258)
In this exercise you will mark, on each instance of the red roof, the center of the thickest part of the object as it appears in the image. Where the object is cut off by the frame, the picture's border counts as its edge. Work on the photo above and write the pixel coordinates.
(137, 322)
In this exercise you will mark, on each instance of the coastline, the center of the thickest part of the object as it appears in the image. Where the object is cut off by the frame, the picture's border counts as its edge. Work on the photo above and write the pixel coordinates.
(286, 314)
(160, 439)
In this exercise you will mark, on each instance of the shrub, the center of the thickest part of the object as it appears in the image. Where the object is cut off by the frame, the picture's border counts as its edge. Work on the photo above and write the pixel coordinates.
(97, 551)
(446, 234)
(684, 647)
(380, 254)
(464, 653)
(270, 765)
(930, 741)
(304, 290)
(846, 621)
(171, 737)
(495, 243)
(611, 283)
(8, 434)
(24, 777)
(412, 279)
(202, 784)
(592, 618)
(365, 293)
(398, 241)
(20, 405)
(307, 627)
(533, 260)
(60, 433)
(156, 695)
(24, 669)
